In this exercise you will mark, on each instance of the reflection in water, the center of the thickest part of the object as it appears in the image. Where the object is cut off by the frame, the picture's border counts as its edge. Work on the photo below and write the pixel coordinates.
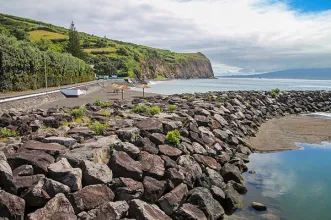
(293, 184)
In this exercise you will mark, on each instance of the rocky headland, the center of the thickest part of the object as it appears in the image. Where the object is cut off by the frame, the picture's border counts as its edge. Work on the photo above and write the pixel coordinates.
(124, 160)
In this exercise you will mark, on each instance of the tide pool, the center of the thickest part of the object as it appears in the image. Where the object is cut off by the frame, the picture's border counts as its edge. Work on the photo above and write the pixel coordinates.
(293, 184)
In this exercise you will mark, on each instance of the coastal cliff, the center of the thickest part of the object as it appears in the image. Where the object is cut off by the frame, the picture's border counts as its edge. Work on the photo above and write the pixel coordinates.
(192, 67)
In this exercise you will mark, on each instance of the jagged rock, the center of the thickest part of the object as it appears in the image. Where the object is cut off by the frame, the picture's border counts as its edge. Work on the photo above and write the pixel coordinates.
(146, 145)
(214, 177)
(91, 197)
(127, 189)
(96, 150)
(168, 162)
(22, 183)
(24, 170)
(202, 198)
(65, 141)
(38, 159)
(192, 169)
(258, 206)
(222, 135)
(140, 210)
(171, 201)
(110, 210)
(189, 212)
(52, 149)
(176, 175)
(6, 175)
(169, 151)
(240, 188)
(128, 148)
(220, 119)
(123, 165)
(81, 131)
(152, 164)
(171, 125)
(201, 120)
(157, 138)
(150, 125)
(130, 134)
(232, 199)
(198, 149)
(63, 172)
(217, 193)
(96, 173)
(153, 189)
(207, 161)
(231, 172)
(58, 208)
(51, 122)
(11, 206)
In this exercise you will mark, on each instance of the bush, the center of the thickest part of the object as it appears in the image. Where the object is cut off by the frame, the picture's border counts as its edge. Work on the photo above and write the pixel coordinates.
(5, 133)
(275, 92)
(140, 108)
(104, 113)
(104, 104)
(99, 128)
(78, 112)
(154, 110)
(172, 137)
(172, 108)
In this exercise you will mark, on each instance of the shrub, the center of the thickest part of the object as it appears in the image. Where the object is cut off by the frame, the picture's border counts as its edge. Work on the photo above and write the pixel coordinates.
(275, 92)
(78, 112)
(172, 108)
(99, 128)
(172, 137)
(154, 110)
(5, 133)
(104, 104)
(104, 113)
(140, 108)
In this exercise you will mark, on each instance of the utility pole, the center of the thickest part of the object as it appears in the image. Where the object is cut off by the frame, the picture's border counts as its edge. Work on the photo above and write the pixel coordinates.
(45, 70)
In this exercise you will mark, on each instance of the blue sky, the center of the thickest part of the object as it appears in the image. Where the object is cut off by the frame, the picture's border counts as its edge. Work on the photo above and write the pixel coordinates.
(310, 5)
(238, 36)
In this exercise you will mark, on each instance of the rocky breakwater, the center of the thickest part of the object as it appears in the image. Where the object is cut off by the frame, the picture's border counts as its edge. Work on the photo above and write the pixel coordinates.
(124, 164)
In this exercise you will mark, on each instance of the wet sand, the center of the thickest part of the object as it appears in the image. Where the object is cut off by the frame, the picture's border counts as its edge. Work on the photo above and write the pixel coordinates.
(103, 94)
(281, 134)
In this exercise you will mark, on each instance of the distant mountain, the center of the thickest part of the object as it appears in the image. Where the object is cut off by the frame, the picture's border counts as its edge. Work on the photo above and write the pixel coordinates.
(318, 73)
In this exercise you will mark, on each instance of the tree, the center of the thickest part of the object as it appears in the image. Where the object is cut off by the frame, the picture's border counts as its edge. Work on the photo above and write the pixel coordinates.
(43, 44)
(74, 46)
(20, 34)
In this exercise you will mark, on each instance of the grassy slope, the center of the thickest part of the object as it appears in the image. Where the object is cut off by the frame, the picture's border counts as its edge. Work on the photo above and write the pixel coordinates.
(133, 57)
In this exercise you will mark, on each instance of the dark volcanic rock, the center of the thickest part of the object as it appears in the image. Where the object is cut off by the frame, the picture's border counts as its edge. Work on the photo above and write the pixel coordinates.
(150, 125)
(38, 159)
(52, 149)
(152, 164)
(231, 172)
(58, 208)
(11, 206)
(189, 212)
(96, 173)
(6, 175)
(176, 175)
(110, 210)
(146, 145)
(123, 165)
(127, 189)
(232, 199)
(207, 161)
(193, 170)
(171, 201)
(129, 134)
(169, 151)
(140, 210)
(128, 148)
(24, 182)
(90, 197)
(258, 206)
(24, 170)
(202, 198)
(158, 138)
(153, 189)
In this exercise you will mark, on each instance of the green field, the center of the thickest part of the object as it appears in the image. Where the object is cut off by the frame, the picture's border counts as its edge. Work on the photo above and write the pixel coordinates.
(37, 35)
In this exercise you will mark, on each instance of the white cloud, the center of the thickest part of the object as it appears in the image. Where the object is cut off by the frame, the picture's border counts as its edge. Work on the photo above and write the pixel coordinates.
(237, 35)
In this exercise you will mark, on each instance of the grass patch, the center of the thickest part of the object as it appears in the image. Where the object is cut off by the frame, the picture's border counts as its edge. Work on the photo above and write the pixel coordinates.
(104, 113)
(103, 49)
(154, 110)
(99, 128)
(159, 76)
(140, 108)
(37, 35)
(6, 132)
(78, 112)
(172, 108)
(172, 138)
(103, 104)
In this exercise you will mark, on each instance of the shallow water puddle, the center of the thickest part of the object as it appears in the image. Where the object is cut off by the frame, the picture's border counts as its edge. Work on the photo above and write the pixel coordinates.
(293, 184)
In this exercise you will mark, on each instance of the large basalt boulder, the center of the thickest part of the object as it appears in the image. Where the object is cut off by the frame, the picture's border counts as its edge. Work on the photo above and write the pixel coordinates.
(11, 206)
(232, 200)
(83, 132)
(63, 172)
(151, 164)
(96, 173)
(65, 141)
(207, 161)
(6, 175)
(193, 171)
(189, 212)
(176, 175)
(96, 150)
(22, 183)
(157, 138)
(58, 208)
(150, 125)
(170, 151)
(123, 165)
(24, 170)
(52, 149)
(127, 189)
(111, 210)
(146, 145)
(214, 178)
(231, 172)
(153, 189)
(201, 120)
(129, 148)
(202, 198)
(38, 159)
(91, 197)
(140, 210)
(171, 201)
(130, 134)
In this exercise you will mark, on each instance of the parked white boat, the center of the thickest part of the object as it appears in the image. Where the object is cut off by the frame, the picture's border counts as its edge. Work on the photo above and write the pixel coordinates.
(73, 92)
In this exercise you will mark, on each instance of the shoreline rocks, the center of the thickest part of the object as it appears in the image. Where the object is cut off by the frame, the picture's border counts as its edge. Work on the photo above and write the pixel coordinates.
(129, 170)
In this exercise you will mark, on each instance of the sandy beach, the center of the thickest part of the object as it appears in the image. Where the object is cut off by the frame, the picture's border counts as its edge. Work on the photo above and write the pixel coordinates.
(283, 133)
(103, 94)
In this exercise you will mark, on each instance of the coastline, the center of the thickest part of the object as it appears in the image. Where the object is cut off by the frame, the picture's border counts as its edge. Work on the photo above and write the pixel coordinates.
(282, 134)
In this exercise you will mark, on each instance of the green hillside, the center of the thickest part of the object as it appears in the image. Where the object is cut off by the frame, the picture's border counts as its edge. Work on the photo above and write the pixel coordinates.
(108, 56)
